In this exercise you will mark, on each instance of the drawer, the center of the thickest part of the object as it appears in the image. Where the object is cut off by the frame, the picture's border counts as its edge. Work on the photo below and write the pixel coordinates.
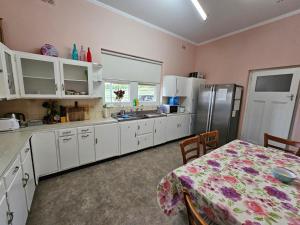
(12, 171)
(145, 126)
(145, 141)
(2, 189)
(83, 130)
(25, 150)
(66, 132)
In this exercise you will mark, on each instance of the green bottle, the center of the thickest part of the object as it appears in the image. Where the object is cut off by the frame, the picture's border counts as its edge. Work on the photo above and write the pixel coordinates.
(74, 53)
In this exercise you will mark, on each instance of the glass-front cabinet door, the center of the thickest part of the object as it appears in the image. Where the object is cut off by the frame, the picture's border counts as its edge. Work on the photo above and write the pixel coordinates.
(9, 74)
(76, 78)
(38, 75)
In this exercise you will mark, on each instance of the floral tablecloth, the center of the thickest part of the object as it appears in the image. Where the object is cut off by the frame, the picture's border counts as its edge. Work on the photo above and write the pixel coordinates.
(234, 185)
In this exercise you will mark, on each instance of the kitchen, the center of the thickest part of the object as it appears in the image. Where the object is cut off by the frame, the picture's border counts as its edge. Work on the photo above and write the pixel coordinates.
(86, 147)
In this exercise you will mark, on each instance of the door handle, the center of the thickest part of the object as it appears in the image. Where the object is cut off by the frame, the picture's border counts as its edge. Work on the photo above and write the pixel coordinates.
(291, 97)
(10, 217)
(25, 179)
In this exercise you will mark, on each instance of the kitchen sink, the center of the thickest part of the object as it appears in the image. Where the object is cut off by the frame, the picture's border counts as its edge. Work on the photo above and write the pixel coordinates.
(137, 116)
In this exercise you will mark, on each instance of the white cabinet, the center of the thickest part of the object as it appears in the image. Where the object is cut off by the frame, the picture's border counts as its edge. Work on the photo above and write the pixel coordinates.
(4, 213)
(145, 126)
(172, 130)
(129, 142)
(160, 128)
(28, 179)
(145, 141)
(68, 150)
(38, 76)
(107, 140)
(76, 78)
(174, 86)
(9, 85)
(15, 193)
(178, 126)
(44, 152)
(185, 123)
(86, 145)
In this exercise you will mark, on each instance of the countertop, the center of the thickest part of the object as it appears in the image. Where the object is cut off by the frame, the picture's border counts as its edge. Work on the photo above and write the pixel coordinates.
(12, 142)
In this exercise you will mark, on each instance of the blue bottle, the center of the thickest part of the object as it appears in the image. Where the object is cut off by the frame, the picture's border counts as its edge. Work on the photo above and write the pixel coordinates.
(74, 53)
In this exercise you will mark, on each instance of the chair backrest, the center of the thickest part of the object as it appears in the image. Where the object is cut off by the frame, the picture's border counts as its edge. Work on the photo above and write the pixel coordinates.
(193, 216)
(190, 149)
(295, 144)
(209, 140)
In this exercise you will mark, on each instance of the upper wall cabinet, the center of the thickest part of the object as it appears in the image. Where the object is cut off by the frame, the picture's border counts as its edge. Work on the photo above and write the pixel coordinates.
(38, 76)
(174, 86)
(9, 86)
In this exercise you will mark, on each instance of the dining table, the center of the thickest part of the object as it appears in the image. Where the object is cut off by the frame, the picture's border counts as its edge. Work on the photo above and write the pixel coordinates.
(234, 185)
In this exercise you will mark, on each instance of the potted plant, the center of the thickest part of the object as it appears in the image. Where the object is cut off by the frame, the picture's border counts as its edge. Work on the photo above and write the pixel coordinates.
(119, 95)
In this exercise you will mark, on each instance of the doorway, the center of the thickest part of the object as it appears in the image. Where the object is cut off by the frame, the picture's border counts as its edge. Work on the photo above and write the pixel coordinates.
(271, 101)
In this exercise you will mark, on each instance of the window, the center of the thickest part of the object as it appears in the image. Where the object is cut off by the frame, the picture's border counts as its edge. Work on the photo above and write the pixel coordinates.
(274, 83)
(111, 87)
(147, 93)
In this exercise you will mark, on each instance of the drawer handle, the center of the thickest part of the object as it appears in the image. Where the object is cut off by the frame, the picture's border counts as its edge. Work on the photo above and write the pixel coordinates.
(67, 132)
(85, 136)
(10, 217)
(155, 131)
(85, 130)
(135, 135)
(25, 180)
(67, 139)
(27, 150)
(15, 170)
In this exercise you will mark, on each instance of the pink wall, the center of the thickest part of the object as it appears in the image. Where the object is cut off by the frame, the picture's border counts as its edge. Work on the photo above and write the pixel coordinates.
(31, 23)
(229, 60)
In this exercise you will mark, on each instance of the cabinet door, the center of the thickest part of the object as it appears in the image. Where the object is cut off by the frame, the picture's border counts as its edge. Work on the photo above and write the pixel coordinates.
(68, 152)
(38, 75)
(28, 178)
(107, 141)
(193, 124)
(10, 74)
(185, 125)
(16, 198)
(160, 128)
(129, 141)
(169, 86)
(172, 128)
(76, 78)
(145, 141)
(86, 146)
(181, 85)
(145, 126)
(44, 153)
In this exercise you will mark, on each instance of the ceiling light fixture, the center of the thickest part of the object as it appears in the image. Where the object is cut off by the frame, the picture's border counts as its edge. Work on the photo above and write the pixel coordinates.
(200, 9)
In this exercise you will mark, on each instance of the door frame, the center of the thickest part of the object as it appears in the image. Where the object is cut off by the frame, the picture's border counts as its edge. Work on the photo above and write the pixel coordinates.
(250, 81)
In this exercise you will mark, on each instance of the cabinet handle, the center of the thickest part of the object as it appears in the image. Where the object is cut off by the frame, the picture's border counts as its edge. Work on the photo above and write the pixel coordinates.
(138, 142)
(96, 140)
(67, 139)
(27, 150)
(1, 70)
(138, 127)
(10, 217)
(56, 88)
(63, 87)
(134, 134)
(25, 180)
(67, 132)
(85, 136)
(85, 130)
(154, 130)
(15, 170)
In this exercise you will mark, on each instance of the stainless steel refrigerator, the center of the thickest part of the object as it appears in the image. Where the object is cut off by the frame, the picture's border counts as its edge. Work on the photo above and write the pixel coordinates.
(219, 109)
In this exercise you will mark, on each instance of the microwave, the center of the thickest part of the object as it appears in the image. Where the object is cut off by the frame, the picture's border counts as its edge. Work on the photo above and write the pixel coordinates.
(170, 108)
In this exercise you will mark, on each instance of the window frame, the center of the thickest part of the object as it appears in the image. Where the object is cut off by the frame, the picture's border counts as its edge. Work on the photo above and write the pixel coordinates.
(156, 94)
(117, 104)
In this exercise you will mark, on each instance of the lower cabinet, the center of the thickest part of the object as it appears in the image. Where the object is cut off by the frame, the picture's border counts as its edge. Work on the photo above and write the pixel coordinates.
(178, 126)
(106, 141)
(159, 131)
(129, 142)
(68, 152)
(44, 153)
(4, 213)
(15, 194)
(28, 179)
(86, 147)
(145, 141)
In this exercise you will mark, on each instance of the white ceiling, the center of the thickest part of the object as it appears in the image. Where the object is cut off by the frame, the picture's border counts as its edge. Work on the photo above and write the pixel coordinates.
(224, 16)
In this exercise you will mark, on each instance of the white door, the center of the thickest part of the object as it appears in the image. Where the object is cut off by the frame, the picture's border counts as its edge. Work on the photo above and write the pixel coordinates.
(16, 198)
(160, 128)
(181, 85)
(129, 142)
(270, 104)
(107, 141)
(28, 178)
(169, 86)
(44, 153)
(68, 152)
(86, 146)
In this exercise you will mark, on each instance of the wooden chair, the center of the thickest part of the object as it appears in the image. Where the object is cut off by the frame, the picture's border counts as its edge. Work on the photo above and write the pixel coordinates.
(188, 146)
(294, 144)
(193, 216)
(209, 140)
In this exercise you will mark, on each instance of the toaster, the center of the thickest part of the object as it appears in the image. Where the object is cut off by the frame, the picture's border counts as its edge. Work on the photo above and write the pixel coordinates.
(7, 124)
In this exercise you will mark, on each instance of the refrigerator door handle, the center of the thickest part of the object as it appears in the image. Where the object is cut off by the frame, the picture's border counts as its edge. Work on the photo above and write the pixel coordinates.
(212, 107)
(209, 109)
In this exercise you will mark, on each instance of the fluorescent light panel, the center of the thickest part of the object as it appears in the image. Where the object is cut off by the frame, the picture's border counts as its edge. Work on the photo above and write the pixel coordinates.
(200, 9)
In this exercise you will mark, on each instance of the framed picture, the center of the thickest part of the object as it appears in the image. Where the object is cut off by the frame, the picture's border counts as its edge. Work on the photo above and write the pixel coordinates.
(1, 31)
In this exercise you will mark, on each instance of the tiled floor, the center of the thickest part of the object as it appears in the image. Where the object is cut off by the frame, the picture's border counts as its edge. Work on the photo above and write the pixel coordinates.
(117, 192)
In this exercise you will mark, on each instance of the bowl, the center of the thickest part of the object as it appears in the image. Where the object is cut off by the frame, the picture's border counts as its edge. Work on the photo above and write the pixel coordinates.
(283, 174)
